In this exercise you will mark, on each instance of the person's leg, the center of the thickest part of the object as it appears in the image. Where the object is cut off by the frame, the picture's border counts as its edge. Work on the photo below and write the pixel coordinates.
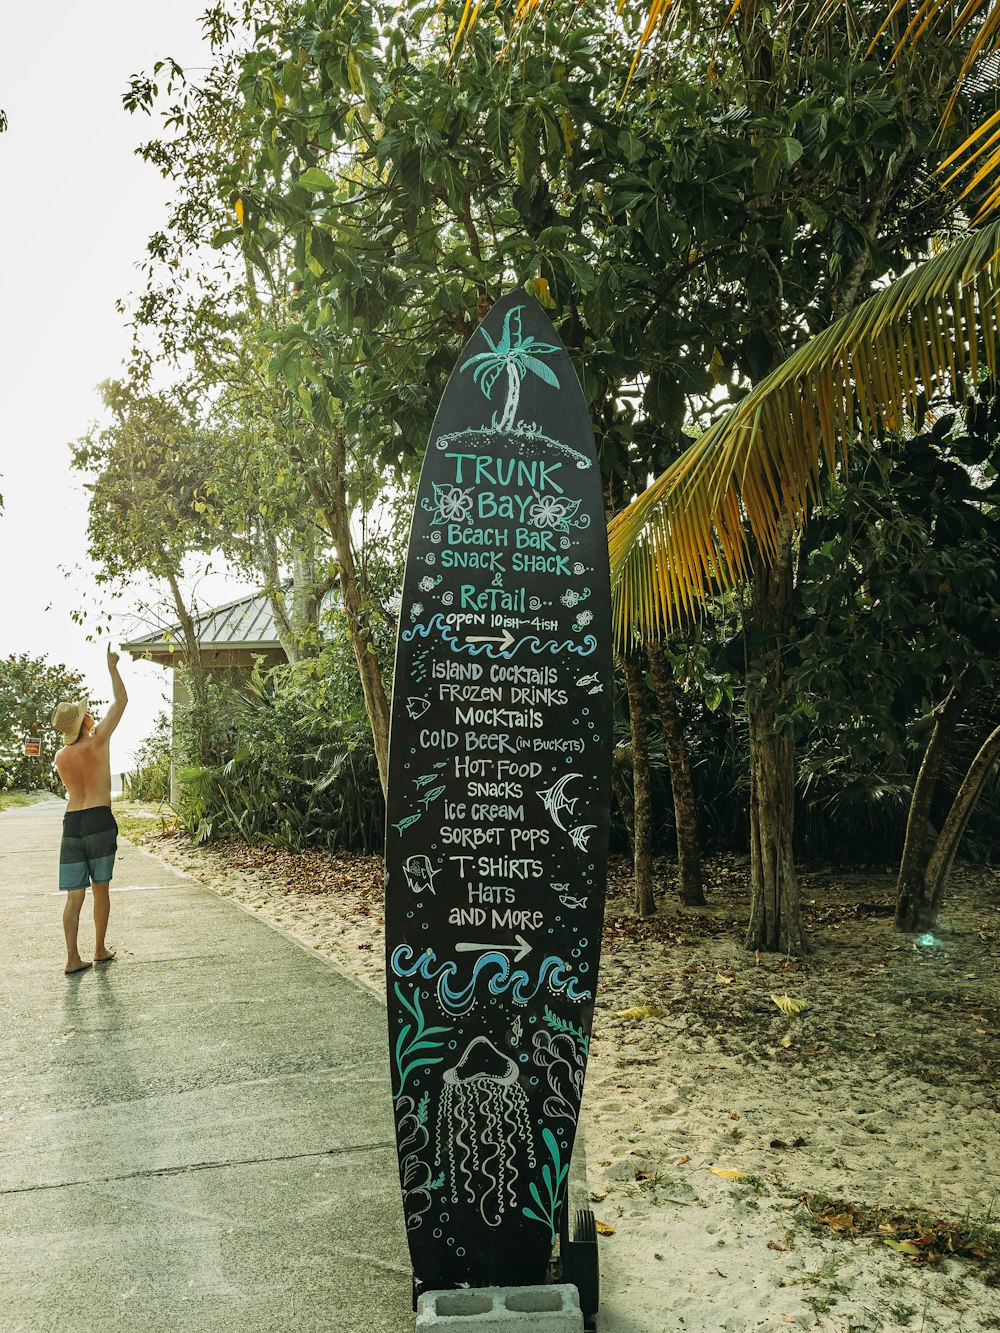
(71, 928)
(102, 911)
(100, 842)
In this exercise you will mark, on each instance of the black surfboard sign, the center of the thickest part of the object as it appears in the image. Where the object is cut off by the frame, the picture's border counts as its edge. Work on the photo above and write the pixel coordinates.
(498, 807)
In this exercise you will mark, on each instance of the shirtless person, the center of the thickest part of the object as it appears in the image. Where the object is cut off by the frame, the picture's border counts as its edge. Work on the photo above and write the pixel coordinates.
(90, 834)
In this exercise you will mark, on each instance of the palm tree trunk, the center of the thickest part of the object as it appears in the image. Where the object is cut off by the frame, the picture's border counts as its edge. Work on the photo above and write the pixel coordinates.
(645, 904)
(621, 764)
(689, 878)
(513, 398)
(775, 901)
(912, 906)
(950, 838)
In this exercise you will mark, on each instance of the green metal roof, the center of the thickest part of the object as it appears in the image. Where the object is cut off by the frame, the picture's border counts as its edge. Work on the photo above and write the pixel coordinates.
(246, 624)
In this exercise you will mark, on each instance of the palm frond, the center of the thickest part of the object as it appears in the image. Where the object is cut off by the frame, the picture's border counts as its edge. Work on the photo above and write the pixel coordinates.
(755, 470)
(977, 22)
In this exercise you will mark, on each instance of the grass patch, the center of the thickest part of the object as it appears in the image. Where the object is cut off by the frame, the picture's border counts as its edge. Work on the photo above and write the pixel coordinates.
(137, 821)
(920, 1238)
(12, 800)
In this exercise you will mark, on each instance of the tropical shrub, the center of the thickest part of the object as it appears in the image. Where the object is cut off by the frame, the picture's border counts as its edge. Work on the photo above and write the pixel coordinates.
(150, 779)
(301, 769)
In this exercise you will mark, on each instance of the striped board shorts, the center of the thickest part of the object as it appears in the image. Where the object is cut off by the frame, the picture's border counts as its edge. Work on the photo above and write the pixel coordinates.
(87, 851)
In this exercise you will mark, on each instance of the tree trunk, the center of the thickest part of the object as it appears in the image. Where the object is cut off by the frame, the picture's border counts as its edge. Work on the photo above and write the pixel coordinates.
(950, 838)
(689, 878)
(621, 761)
(333, 501)
(195, 666)
(643, 837)
(911, 905)
(775, 902)
(265, 555)
(308, 591)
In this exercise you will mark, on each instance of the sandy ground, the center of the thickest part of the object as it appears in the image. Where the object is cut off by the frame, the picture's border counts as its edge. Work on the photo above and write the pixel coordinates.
(837, 1169)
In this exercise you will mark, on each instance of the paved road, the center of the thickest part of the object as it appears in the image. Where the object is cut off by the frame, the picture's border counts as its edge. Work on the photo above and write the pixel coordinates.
(197, 1136)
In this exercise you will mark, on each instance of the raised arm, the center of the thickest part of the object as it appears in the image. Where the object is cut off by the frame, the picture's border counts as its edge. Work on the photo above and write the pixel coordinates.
(114, 713)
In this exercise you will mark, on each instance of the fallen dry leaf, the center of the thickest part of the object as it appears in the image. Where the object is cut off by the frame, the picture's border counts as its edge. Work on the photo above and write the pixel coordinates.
(726, 1172)
(683, 1161)
(603, 1229)
(640, 1012)
(902, 1246)
(789, 1006)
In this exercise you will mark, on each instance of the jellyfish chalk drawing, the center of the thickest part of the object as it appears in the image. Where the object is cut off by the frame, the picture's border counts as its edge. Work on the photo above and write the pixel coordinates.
(484, 1137)
(497, 811)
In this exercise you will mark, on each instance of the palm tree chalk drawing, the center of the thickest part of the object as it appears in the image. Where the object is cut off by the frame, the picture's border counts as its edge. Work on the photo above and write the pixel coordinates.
(518, 356)
(514, 356)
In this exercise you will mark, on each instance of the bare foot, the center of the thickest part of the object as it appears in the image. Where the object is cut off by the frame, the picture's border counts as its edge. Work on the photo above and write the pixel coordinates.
(108, 956)
(80, 966)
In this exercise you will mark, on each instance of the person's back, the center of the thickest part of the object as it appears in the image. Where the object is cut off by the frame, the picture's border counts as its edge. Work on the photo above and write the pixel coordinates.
(85, 768)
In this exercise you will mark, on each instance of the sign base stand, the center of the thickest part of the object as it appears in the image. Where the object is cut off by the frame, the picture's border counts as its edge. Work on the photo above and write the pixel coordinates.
(547, 1309)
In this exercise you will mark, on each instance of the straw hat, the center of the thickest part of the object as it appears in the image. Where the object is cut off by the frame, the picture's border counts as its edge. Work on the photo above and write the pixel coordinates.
(68, 718)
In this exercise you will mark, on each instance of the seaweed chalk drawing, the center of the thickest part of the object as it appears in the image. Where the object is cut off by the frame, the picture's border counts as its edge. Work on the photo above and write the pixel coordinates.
(416, 1040)
(554, 1175)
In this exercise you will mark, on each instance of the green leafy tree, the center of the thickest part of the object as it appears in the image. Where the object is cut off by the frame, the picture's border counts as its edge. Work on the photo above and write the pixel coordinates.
(900, 591)
(151, 502)
(30, 688)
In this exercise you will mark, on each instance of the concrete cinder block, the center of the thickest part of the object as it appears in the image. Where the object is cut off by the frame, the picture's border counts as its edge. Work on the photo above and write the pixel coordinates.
(554, 1309)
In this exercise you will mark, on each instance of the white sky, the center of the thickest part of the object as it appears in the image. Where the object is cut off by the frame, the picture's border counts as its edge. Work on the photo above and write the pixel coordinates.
(77, 207)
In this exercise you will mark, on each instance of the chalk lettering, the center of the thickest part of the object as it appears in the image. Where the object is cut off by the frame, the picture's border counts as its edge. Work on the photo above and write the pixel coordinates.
(433, 739)
(499, 717)
(511, 791)
(491, 893)
(488, 740)
(492, 599)
(535, 473)
(489, 560)
(533, 539)
(540, 564)
(492, 814)
(508, 867)
(473, 694)
(473, 768)
(451, 670)
(517, 920)
(467, 916)
(461, 835)
(529, 694)
(512, 674)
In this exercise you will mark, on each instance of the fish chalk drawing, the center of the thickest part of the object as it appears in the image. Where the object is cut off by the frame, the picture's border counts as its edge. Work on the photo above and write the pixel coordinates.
(556, 801)
(580, 836)
(420, 874)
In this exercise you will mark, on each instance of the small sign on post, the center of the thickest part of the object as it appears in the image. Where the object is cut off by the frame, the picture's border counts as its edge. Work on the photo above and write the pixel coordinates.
(32, 748)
